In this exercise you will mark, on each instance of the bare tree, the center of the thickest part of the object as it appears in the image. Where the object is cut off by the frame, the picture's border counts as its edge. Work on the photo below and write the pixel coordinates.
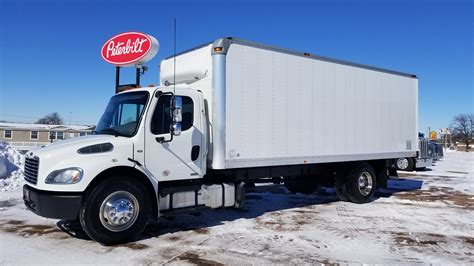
(51, 119)
(463, 128)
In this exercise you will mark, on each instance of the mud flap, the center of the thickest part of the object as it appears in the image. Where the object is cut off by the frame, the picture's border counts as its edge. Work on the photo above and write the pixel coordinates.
(392, 173)
(240, 195)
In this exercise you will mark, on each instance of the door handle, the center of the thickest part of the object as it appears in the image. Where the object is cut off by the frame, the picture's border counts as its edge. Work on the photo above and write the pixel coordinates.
(195, 152)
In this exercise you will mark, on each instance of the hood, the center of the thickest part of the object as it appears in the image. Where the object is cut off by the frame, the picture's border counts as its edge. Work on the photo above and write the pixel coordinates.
(71, 145)
(64, 154)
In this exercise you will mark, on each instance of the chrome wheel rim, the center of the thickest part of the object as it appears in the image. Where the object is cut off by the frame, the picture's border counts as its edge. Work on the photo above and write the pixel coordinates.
(119, 211)
(365, 183)
(402, 163)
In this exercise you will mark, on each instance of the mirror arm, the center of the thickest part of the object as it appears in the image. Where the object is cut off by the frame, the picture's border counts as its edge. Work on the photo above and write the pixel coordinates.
(159, 93)
(162, 140)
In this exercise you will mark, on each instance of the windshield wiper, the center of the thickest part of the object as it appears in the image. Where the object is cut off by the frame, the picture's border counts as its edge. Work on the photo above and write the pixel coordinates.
(109, 131)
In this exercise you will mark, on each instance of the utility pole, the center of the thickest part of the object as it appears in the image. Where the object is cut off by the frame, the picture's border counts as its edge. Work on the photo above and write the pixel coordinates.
(70, 118)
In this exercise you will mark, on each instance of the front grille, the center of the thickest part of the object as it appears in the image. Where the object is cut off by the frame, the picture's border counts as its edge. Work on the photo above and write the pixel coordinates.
(423, 146)
(31, 170)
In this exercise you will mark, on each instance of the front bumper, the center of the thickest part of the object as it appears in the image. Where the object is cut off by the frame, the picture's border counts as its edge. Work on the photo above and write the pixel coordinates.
(420, 163)
(57, 205)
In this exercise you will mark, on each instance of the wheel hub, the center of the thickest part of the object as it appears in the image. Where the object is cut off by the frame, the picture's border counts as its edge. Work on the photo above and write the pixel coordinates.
(119, 211)
(402, 163)
(365, 183)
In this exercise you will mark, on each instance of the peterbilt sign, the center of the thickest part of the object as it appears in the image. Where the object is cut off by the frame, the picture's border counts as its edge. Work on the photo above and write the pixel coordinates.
(129, 48)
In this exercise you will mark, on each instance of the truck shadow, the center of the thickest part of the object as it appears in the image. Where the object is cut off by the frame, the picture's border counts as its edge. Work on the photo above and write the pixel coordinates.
(72, 228)
(259, 200)
(397, 186)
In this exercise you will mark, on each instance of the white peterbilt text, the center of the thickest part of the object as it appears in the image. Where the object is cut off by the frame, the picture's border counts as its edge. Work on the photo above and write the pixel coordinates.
(130, 47)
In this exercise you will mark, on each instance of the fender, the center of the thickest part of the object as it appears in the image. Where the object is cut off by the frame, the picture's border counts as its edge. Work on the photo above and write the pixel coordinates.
(136, 171)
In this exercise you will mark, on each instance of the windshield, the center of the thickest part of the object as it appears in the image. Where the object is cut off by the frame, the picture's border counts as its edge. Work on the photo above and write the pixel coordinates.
(123, 113)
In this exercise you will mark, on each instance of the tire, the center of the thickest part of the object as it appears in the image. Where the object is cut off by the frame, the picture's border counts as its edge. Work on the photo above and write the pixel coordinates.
(361, 183)
(104, 215)
(404, 164)
(305, 185)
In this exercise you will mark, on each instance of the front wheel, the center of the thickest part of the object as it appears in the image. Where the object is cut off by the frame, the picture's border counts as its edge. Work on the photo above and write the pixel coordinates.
(405, 164)
(116, 211)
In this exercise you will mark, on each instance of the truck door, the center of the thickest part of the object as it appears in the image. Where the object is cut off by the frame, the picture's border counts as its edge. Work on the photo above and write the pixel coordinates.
(181, 158)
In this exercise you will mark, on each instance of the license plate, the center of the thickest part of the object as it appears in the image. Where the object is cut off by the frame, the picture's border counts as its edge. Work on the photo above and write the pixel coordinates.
(26, 194)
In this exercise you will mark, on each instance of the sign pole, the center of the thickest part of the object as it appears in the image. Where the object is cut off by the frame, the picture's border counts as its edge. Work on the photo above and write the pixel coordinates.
(137, 77)
(117, 79)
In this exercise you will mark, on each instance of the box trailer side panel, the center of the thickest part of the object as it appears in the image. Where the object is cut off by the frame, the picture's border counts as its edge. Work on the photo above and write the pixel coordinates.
(284, 109)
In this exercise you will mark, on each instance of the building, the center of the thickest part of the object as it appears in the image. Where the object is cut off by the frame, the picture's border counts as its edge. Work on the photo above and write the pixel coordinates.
(28, 136)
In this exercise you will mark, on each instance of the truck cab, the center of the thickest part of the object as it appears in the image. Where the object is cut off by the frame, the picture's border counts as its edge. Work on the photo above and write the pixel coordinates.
(424, 157)
(63, 175)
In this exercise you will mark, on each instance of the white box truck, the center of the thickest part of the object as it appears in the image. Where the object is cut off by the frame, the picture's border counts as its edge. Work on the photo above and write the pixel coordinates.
(233, 112)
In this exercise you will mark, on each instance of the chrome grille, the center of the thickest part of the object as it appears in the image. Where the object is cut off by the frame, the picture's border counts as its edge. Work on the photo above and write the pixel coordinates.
(31, 170)
(423, 146)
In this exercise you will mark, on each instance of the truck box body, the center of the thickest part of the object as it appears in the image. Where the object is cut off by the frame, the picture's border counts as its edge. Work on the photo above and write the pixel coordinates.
(271, 107)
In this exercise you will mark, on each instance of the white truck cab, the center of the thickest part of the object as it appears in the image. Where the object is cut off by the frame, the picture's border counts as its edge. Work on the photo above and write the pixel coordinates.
(132, 138)
(238, 112)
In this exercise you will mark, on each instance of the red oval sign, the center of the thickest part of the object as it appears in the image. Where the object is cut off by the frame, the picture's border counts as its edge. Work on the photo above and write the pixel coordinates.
(129, 48)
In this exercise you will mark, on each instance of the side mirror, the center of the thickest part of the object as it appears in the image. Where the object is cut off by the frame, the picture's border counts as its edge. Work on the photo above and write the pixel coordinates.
(177, 109)
(176, 115)
(176, 129)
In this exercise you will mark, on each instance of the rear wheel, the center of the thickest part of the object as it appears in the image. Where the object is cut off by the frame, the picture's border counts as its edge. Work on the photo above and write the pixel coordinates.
(404, 164)
(116, 211)
(361, 183)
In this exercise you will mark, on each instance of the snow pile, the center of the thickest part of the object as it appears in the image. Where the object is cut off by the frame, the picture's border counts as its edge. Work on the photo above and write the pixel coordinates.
(11, 168)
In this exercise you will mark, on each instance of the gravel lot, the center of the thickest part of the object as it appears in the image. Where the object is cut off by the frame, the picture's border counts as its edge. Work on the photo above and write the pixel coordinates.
(423, 217)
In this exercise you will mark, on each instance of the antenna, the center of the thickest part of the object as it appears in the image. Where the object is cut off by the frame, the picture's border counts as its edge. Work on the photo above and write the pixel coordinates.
(174, 59)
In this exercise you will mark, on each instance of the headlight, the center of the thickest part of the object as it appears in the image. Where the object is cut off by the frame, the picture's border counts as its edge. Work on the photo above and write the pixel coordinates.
(65, 176)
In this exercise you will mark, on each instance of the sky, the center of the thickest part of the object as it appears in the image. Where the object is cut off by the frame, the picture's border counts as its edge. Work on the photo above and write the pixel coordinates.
(50, 50)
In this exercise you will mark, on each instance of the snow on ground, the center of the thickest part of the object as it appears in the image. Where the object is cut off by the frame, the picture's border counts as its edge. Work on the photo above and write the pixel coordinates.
(424, 217)
(11, 168)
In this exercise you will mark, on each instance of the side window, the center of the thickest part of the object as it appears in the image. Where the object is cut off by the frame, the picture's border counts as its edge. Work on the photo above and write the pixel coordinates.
(33, 134)
(161, 120)
(7, 134)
